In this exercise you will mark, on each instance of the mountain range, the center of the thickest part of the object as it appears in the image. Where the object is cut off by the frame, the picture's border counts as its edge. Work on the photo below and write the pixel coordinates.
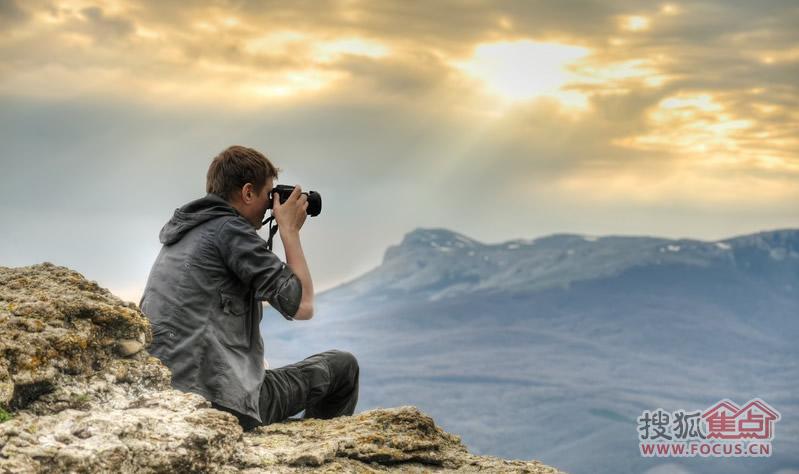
(550, 348)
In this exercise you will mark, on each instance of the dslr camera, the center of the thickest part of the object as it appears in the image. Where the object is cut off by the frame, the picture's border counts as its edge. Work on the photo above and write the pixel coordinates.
(314, 199)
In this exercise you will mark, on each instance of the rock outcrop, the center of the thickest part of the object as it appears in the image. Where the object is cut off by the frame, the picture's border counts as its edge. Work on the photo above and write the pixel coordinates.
(79, 393)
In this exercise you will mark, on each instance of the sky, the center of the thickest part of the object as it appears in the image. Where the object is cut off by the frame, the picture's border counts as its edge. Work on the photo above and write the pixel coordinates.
(499, 120)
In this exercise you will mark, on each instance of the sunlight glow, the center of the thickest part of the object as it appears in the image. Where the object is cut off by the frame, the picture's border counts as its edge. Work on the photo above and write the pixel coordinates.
(318, 49)
(687, 183)
(311, 56)
(524, 70)
(670, 9)
(703, 127)
(639, 69)
(292, 83)
(329, 50)
(702, 102)
(635, 23)
(147, 33)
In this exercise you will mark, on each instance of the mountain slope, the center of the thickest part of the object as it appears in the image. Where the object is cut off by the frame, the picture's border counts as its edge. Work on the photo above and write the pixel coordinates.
(437, 263)
(575, 333)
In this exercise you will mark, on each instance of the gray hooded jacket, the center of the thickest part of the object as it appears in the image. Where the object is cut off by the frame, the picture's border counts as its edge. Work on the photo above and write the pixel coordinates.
(203, 299)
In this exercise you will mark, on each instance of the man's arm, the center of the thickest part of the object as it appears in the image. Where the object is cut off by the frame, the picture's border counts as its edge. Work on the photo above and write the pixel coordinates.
(247, 256)
(295, 259)
(290, 217)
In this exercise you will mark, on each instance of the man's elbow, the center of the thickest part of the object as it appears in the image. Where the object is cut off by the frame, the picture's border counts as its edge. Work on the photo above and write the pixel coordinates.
(305, 311)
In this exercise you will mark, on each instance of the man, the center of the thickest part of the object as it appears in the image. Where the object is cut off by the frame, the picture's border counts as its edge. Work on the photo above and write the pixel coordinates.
(203, 299)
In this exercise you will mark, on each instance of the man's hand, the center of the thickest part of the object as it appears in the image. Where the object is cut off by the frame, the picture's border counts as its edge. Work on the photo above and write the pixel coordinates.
(291, 215)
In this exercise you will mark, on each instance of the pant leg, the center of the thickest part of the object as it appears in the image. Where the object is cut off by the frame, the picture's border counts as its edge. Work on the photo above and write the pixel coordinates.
(340, 395)
(246, 422)
(325, 385)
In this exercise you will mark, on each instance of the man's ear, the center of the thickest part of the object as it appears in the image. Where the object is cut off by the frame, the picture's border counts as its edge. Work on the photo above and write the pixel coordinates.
(247, 193)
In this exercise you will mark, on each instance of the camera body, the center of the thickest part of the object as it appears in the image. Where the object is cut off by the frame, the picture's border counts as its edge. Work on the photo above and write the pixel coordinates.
(283, 192)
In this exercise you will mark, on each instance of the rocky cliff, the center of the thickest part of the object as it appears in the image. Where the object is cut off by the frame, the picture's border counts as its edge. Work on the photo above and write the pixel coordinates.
(79, 393)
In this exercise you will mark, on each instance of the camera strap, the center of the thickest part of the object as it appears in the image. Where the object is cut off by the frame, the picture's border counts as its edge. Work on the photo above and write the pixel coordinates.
(272, 231)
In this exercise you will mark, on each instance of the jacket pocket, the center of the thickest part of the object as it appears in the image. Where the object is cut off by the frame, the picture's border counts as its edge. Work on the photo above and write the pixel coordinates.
(233, 325)
(164, 340)
(163, 331)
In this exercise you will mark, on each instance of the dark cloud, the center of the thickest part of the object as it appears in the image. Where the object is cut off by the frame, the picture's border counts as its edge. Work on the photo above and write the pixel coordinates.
(416, 74)
(12, 15)
(104, 27)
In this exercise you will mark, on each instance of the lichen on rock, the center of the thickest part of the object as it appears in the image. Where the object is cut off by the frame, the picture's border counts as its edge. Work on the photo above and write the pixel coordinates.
(79, 394)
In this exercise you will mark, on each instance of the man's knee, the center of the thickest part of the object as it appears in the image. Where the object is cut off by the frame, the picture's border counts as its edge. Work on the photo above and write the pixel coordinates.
(344, 365)
(345, 358)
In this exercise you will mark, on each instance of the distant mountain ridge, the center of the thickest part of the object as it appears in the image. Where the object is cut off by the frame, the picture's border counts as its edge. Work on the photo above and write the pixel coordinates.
(440, 263)
(552, 347)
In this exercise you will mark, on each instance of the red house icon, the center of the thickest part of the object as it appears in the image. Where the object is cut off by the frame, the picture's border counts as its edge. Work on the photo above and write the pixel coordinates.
(721, 421)
(755, 420)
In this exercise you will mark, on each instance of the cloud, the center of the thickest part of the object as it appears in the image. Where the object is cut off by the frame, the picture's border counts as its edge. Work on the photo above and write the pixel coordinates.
(11, 13)
(682, 118)
(105, 28)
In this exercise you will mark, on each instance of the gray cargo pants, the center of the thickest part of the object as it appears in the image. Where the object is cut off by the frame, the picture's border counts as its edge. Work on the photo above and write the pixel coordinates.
(325, 385)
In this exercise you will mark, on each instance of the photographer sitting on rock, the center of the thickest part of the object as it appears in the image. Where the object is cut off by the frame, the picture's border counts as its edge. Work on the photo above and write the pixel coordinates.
(204, 292)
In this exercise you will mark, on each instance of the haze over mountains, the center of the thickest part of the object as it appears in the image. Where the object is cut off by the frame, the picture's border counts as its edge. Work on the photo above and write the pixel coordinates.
(551, 348)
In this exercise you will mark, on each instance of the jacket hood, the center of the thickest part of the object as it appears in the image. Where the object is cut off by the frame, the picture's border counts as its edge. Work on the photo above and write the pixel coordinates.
(193, 214)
